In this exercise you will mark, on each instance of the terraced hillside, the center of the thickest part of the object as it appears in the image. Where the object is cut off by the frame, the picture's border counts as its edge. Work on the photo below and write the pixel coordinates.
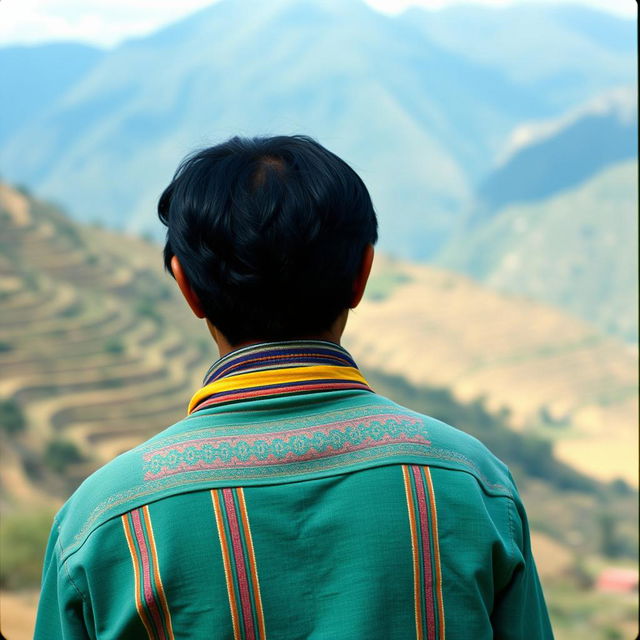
(95, 350)
(98, 352)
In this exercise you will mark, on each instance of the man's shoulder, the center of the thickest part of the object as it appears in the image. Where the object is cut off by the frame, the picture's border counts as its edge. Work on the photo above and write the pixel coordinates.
(456, 450)
(107, 492)
(290, 441)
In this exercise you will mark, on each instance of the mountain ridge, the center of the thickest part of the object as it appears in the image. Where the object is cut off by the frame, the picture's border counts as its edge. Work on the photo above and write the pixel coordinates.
(416, 119)
(564, 153)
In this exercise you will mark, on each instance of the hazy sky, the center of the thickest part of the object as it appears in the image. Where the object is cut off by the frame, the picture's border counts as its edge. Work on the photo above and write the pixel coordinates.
(107, 22)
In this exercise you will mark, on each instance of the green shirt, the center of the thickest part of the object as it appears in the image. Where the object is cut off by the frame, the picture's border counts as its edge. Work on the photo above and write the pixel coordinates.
(293, 502)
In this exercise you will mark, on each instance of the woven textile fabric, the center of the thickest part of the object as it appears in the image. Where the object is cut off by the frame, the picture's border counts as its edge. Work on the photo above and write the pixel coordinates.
(293, 502)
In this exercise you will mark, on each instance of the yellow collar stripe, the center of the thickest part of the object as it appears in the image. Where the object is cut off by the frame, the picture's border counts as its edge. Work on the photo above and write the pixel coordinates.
(276, 376)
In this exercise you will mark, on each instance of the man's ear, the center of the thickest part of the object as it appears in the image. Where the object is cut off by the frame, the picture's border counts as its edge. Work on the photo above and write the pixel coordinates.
(188, 293)
(360, 282)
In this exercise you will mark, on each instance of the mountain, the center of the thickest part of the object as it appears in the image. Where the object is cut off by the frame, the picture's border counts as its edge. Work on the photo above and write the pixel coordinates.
(566, 53)
(417, 116)
(35, 77)
(98, 352)
(557, 218)
(549, 157)
(577, 250)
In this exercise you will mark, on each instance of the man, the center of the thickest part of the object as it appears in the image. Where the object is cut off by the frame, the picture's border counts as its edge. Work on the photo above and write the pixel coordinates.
(292, 502)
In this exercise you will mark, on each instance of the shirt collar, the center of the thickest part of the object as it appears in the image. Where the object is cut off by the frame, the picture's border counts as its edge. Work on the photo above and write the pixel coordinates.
(271, 369)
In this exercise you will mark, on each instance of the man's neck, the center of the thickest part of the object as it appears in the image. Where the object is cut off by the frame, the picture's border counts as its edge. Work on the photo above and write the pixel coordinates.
(334, 334)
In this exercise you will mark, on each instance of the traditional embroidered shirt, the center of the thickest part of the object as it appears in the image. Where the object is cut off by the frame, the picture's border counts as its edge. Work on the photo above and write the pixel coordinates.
(293, 502)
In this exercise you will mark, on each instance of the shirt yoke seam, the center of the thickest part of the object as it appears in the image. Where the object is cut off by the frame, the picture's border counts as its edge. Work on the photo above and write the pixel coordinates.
(70, 551)
(65, 566)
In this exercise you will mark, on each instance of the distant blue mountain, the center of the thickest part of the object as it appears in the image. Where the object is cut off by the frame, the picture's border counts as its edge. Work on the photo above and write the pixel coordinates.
(603, 135)
(558, 219)
(577, 249)
(419, 116)
(35, 77)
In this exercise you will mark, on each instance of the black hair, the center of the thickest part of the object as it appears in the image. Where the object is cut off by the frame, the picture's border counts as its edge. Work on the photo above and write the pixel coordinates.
(270, 233)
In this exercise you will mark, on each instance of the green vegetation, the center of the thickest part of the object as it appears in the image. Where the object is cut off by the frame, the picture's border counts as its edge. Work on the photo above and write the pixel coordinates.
(71, 311)
(381, 286)
(31, 280)
(578, 613)
(146, 307)
(23, 540)
(72, 233)
(59, 454)
(612, 543)
(12, 420)
(114, 346)
(580, 575)
(112, 383)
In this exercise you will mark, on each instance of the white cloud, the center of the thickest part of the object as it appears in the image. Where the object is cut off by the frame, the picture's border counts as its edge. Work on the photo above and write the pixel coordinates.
(108, 22)
(94, 21)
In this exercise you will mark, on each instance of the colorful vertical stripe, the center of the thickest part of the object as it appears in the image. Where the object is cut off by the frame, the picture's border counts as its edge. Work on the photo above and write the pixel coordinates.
(427, 574)
(151, 601)
(239, 562)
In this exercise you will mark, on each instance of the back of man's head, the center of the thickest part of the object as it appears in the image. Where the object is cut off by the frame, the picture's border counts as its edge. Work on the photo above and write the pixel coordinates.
(270, 233)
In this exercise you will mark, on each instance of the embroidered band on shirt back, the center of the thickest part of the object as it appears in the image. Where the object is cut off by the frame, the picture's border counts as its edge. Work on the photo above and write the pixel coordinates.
(291, 446)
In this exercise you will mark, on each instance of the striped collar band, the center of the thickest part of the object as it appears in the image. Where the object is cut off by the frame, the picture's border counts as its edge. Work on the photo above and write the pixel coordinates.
(278, 368)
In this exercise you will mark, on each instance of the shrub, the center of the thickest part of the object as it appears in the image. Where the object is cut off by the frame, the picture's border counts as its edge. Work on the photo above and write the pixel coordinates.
(59, 454)
(69, 312)
(12, 418)
(5, 347)
(145, 308)
(31, 281)
(612, 543)
(114, 345)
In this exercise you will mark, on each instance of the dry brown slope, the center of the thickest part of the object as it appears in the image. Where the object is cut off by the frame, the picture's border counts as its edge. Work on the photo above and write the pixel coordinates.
(93, 340)
(437, 328)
